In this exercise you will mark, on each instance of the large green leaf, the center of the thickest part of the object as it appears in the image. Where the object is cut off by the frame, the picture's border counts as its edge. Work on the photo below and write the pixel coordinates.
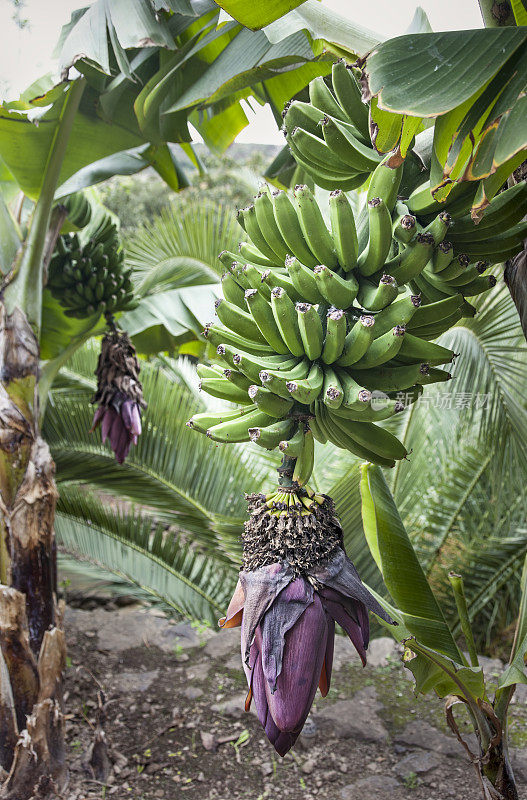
(10, 238)
(259, 13)
(402, 573)
(474, 82)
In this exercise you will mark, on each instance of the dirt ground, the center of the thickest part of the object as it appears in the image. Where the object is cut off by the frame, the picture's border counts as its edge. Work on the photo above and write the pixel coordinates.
(175, 727)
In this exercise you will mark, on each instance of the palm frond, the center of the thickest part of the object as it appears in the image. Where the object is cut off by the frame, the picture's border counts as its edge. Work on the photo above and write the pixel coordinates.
(181, 246)
(131, 545)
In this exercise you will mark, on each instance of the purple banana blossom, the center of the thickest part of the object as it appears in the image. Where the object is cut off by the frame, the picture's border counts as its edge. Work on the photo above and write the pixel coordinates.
(120, 423)
(288, 629)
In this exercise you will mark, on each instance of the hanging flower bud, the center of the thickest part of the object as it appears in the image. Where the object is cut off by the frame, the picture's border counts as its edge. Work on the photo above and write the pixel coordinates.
(119, 393)
(296, 582)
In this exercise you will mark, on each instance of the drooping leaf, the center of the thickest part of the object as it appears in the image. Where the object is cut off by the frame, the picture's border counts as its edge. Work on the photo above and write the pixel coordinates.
(403, 575)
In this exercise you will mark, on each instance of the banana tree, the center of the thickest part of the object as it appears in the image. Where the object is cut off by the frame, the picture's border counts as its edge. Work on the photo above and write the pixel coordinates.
(144, 74)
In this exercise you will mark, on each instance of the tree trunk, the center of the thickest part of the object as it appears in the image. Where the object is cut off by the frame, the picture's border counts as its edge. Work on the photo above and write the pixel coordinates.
(32, 642)
(498, 772)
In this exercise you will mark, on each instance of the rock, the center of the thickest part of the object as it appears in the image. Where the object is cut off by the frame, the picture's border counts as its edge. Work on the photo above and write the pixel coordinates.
(351, 719)
(374, 787)
(130, 682)
(266, 768)
(421, 734)
(192, 692)
(223, 644)
(418, 762)
(345, 654)
(198, 672)
(308, 766)
(209, 741)
(231, 707)
(382, 649)
(234, 662)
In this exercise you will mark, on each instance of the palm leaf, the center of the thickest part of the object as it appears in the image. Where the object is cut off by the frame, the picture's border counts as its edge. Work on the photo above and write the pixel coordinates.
(131, 545)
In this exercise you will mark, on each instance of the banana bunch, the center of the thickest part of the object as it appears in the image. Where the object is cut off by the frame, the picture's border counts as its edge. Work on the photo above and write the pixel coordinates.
(329, 137)
(79, 209)
(90, 279)
(284, 502)
(320, 339)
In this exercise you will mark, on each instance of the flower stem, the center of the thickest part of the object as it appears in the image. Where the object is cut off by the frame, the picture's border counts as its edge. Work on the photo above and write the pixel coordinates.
(458, 589)
(285, 471)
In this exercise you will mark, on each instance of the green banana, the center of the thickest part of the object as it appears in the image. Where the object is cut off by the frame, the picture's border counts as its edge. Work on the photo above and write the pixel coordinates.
(279, 280)
(232, 291)
(335, 290)
(421, 202)
(238, 321)
(254, 277)
(252, 365)
(262, 315)
(412, 260)
(438, 228)
(505, 211)
(319, 153)
(456, 268)
(203, 421)
(399, 312)
(285, 316)
(209, 371)
(290, 230)
(478, 286)
(324, 178)
(332, 392)
(302, 115)
(321, 97)
(434, 312)
(441, 257)
(216, 336)
(313, 227)
(470, 274)
(385, 182)
(343, 230)
(237, 378)
(399, 378)
(271, 404)
(343, 439)
(375, 298)
(316, 430)
(276, 381)
(404, 227)
(254, 232)
(305, 461)
(335, 336)
(357, 341)
(311, 331)
(367, 434)
(304, 281)
(270, 436)
(372, 259)
(382, 349)
(349, 97)
(384, 411)
(222, 388)
(293, 446)
(346, 148)
(356, 397)
(267, 224)
(307, 390)
(419, 351)
(249, 252)
(237, 430)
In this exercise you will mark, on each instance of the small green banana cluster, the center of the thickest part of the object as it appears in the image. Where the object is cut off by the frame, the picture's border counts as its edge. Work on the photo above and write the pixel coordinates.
(79, 209)
(329, 137)
(283, 502)
(90, 279)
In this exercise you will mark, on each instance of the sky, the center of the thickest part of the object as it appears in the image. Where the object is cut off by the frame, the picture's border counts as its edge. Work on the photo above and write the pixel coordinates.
(27, 54)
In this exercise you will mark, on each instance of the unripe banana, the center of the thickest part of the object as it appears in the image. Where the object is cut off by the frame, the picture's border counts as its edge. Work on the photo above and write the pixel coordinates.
(385, 182)
(332, 392)
(438, 228)
(268, 227)
(302, 115)
(313, 227)
(335, 336)
(305, 461)
(271, 404)
(289, 227)
(311, 331)
(293, 446)
(419, 351)
(307, 390)
(216, 335)
(412, 260)
(343, 230)
(335, 290)
(318, 152)
(349, 97)
(357, 341)
(382, 349)
(249, 252)
(232, 291)
(257, 238)
(270, 436)
(304, 281)
(405, 227)
(375, 298)
(255, 280)
(239, 321)
(220, 387)
(372, 259)
(356, 397)
(263, 316)
(237, 430)
(321, 97)
(237, 378)
(285, 316)
(203, 421)
(399, 312)
(441, 257)
(347, 148)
